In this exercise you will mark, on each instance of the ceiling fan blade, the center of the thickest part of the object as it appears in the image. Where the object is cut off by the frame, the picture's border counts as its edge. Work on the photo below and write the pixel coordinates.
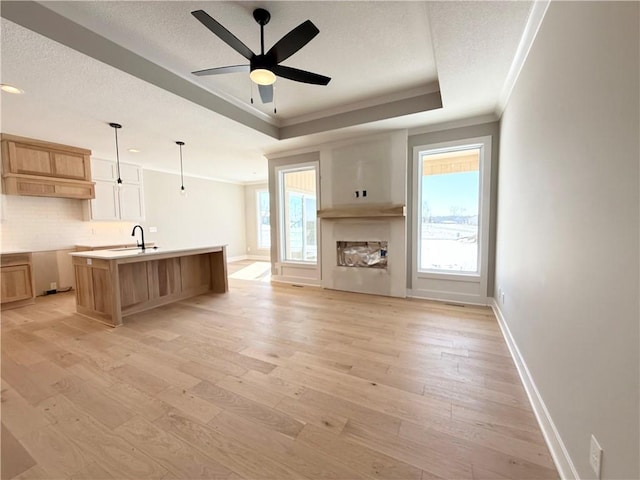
(224, 34)
(266, 93)
(219, 70)
(300, 75)
(293, 41)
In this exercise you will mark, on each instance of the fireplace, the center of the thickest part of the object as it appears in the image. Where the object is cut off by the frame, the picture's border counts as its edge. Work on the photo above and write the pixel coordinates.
(362, 254)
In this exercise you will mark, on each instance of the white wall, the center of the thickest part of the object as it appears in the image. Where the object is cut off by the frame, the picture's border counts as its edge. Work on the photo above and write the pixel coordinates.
(568, 227)
(251, 221)
(212, 213)
(45, 223)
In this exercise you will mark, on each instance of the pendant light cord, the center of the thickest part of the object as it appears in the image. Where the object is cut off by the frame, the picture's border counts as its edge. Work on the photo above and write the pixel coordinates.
(180, 144)
(181, 173)
(116, 126)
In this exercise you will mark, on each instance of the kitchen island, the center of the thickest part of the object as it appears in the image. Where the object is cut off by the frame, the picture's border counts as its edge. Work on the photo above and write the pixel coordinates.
(111, 284)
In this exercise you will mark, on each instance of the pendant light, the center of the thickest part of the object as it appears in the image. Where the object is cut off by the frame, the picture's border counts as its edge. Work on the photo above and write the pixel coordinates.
(116, 126)
(182, 190)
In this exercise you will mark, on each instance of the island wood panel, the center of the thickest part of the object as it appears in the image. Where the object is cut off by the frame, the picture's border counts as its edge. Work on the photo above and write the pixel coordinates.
(196, 271)
(134, 283)
(110, 289)
(164, 277)
(219, 279)
(94, 288)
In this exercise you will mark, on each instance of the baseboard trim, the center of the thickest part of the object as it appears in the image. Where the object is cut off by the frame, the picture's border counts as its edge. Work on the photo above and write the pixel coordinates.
(559, 453)
(307, 282)
(262, 258)
(448, 297)
(236, 258)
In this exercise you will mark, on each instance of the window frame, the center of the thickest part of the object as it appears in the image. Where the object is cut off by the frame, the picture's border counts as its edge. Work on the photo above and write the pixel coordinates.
(259, 246)
(281, 214)
(484, 196)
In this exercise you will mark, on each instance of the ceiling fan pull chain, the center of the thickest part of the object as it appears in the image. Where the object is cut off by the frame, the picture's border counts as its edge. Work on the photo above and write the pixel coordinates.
(251, 91)
(274, 100)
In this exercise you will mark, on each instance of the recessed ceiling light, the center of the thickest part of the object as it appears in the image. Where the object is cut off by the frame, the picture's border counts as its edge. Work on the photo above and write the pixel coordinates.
(10, 89)
(134, 150)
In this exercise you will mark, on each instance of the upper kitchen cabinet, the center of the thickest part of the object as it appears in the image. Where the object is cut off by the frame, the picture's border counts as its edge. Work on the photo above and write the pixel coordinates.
(112, 202)
(45, 169)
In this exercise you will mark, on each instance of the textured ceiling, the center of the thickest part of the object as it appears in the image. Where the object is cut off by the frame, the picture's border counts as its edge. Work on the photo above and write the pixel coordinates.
(376, 52)
(370, 50)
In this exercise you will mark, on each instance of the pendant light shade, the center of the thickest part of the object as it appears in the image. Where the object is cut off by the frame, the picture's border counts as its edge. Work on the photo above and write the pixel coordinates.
(115, 127)
(182, 190)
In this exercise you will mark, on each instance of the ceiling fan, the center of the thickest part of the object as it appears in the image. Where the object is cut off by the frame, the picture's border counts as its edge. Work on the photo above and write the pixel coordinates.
(264, 68)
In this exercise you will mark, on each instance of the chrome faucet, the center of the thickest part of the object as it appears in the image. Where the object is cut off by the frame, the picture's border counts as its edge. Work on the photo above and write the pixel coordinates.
(133, 234)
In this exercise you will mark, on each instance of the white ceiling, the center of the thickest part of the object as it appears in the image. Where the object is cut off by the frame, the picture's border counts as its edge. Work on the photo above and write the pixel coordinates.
(375, 52)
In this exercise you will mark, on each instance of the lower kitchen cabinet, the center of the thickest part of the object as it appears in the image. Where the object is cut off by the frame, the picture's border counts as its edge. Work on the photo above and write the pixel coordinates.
(16, 280)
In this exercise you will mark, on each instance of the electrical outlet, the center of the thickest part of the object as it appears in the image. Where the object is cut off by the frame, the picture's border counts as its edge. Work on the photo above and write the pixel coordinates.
(153, 229)
(53, 286)
(595, 456)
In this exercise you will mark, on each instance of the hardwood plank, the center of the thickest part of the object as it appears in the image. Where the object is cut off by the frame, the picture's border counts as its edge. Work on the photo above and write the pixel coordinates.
(139, 379)
(172, 453)
(189, 404)
(55, 452)
(300, 458)
(480, 456)
(93, 401)
(362, 459)
(19, 416)
(427, 459)
(19, 378)
(15, 459)
(307, 414)
(257, 412)
(111, 452)
(268, 381)
(235, 456)
(252, 391)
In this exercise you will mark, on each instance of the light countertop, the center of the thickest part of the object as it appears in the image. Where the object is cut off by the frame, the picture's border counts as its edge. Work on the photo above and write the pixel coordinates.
(14, 251)
(149, 252)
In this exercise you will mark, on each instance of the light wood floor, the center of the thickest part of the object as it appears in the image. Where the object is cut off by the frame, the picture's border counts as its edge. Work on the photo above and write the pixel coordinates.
(267, 381)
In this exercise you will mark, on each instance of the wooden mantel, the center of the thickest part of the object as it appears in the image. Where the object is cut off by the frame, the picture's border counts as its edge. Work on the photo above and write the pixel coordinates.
(364, 211)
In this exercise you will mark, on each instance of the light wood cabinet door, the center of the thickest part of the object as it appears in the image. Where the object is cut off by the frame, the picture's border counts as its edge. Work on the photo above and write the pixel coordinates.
(32, 161)
(67, 165)
(131, 203)
(16, 283)
(105, 205)
(113, 203)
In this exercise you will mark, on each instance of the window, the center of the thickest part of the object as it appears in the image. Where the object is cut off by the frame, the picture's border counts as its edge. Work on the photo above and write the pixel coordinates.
(264, 226)
(449, 210)
(298, 211)
(450, 220)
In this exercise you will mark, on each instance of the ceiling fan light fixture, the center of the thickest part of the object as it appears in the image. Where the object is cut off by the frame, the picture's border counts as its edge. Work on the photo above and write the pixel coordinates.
(262, 76)
(5, 87)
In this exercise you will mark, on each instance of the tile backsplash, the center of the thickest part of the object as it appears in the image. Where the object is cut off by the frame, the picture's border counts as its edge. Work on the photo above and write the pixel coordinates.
(45, 223)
